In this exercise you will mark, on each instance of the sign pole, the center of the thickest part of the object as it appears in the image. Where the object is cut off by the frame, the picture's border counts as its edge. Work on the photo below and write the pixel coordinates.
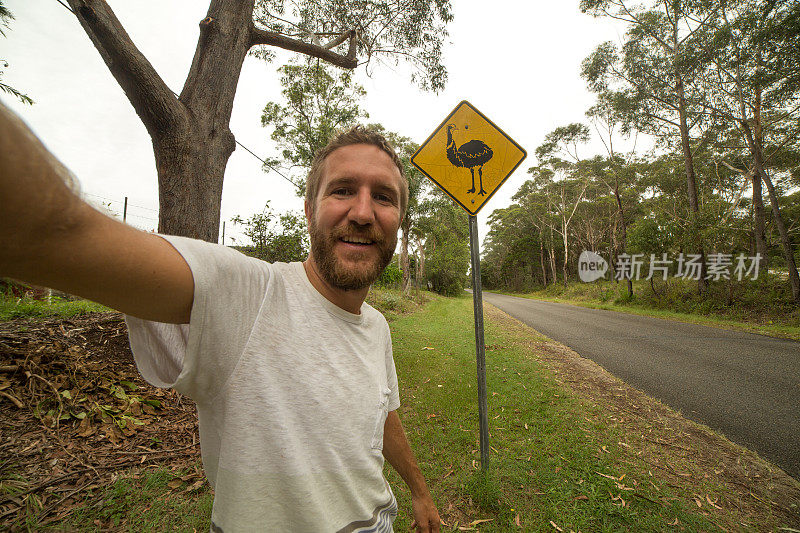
(480, 346)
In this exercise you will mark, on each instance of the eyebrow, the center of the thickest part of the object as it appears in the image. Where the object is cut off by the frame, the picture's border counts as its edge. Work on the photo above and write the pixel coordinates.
(345, 180)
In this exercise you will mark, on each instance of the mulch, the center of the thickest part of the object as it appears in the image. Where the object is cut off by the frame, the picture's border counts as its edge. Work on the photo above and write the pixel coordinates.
(75, 415)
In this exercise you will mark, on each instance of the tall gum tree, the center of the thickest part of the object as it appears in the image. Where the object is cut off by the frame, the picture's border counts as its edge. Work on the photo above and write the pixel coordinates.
(190, 132)
(654, 83)
(749, 84)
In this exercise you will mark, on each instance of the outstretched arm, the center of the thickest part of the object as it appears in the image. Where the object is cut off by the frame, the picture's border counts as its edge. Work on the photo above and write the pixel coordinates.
(50, 237)
(397, 451)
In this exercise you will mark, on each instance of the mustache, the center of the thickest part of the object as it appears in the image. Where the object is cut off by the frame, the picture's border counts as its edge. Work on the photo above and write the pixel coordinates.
(353, 230)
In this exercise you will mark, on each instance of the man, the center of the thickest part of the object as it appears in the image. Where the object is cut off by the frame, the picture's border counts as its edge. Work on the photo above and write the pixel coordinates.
(291, 371)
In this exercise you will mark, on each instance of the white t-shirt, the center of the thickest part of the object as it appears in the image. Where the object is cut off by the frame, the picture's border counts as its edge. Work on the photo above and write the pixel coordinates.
(292, 394)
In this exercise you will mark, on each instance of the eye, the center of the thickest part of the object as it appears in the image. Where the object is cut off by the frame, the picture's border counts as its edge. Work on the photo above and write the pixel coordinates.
(384, 198)
(341, 191)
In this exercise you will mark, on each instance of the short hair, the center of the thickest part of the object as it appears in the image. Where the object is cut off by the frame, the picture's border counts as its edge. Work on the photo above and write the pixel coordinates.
(355, 135)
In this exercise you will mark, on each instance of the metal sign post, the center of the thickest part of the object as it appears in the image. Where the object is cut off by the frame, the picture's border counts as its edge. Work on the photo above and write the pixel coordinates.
(480, 345)
(469, 157)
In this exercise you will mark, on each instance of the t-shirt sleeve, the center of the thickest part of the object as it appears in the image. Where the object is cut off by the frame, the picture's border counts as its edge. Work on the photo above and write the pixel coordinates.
(197, 359)
(391, 373)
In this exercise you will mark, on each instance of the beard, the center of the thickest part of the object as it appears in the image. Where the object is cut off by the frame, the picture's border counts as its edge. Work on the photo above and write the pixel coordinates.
(367, 267)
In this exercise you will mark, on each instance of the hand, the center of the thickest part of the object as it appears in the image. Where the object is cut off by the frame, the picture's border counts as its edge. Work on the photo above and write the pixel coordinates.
(426, 517)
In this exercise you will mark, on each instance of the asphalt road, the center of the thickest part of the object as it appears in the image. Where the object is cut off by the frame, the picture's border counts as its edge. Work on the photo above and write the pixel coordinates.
(746, 386)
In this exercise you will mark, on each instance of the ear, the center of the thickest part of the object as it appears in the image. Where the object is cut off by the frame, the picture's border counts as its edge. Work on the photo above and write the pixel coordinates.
(307, 209)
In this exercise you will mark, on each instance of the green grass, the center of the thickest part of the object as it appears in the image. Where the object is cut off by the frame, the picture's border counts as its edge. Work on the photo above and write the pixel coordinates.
(142, 502)
(11, 307)
(553, 457)
(755, 307)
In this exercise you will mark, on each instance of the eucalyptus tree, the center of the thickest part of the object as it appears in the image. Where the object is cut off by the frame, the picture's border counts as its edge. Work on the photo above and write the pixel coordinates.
(317, 101)
(568, 191)
(418, 186)
(653, 86)
(446, 243)
(5, 23)
(605, 117)
(752, 84)
(191, 135)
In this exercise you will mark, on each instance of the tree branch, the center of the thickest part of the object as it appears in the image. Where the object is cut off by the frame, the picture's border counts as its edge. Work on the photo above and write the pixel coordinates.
(261, 36)
(152, 99)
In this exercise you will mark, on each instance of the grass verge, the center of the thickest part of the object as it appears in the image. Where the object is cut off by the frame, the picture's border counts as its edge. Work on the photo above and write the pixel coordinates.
(150, 500)
(563, 457)
(11, 307)
(558, 461)
(755, 308)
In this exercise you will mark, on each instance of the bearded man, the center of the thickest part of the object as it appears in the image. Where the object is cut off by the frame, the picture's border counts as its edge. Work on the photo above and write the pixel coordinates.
(291, 371)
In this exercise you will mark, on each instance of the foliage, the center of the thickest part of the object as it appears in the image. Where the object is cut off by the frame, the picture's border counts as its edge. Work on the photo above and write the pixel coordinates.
(319, 100)
(413, 30)
(716, 86)
(391, 277)
(275, 238)
(446, 245)
(5, 19)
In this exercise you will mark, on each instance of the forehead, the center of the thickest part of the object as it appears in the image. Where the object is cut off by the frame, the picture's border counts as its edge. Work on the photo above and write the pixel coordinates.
(361, 162)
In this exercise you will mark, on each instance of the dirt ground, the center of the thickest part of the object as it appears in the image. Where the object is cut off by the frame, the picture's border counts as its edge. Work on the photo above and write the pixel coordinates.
(75, 415)
(679, 450)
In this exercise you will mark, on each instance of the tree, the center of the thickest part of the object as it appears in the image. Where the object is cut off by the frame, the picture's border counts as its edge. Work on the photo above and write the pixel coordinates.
(318, 101)
(5, 22)
(190, 132)
(655, 86)
(281, 238)
(417, 188)
(446, 248)
(570, 189)
(749, 84)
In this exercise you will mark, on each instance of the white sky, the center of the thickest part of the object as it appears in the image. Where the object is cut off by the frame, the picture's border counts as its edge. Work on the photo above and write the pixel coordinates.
(517, 62)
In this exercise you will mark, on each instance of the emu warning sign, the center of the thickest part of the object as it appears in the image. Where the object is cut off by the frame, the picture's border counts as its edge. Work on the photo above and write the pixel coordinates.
(468, 157)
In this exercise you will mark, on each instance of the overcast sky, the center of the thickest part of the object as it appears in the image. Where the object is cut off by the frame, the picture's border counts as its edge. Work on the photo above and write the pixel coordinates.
(517, 62)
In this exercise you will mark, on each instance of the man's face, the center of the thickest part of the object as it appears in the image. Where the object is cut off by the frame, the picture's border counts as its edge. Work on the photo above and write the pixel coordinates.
(354, 220)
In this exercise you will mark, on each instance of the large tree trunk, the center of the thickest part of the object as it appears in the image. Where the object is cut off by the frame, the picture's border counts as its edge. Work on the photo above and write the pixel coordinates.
(541, 259)
(691, 181)
(191, 136)
(622, 224)
(786, 242)
(758, 221)
(404, 262)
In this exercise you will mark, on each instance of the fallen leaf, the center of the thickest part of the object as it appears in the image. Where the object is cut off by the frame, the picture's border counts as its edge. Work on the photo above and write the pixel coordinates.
(516, 521)
(711, 502)
(581, 497)
(555, 526)
(481, 521)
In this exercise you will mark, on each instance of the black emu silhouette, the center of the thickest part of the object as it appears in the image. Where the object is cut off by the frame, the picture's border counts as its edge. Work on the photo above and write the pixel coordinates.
(469, 155)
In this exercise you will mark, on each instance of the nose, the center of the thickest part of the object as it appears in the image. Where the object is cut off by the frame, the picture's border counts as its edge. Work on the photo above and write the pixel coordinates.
(362, 210)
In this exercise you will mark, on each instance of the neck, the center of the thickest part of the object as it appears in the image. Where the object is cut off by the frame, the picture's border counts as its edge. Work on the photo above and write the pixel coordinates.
(350, 301)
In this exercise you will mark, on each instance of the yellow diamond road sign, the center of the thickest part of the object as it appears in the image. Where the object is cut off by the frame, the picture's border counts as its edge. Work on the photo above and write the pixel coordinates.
(468, 157)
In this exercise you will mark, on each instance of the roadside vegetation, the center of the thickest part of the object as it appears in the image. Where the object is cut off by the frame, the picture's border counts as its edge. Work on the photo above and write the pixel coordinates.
(56, 305)
(752, 306)
(561, 457)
